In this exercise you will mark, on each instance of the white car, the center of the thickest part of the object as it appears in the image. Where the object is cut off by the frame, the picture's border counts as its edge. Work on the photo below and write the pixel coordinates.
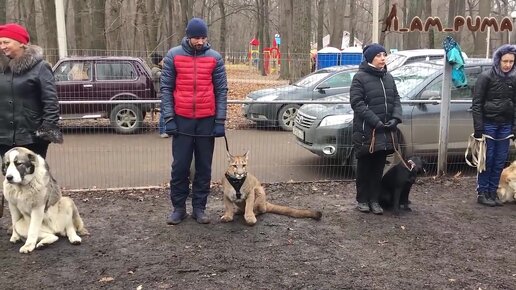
(402, 57)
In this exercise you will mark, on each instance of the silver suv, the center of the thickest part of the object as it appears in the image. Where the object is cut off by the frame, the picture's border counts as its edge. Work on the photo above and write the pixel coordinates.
(402, 57)
(326, 129)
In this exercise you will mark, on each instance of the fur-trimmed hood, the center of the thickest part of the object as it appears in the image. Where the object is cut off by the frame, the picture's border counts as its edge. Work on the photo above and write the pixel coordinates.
(497, 57)
(30, 57)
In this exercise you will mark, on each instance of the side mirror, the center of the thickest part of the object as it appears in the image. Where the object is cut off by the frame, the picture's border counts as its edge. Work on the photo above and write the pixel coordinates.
(322, 90)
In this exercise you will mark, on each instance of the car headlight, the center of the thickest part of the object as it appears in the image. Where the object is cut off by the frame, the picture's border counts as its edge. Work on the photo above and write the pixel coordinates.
(268, 98)
(336, 120)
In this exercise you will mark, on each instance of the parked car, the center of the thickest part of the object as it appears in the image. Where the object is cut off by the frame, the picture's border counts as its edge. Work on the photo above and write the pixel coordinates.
(319, 84)
(326, 129)
(104, 79)
(402, 57)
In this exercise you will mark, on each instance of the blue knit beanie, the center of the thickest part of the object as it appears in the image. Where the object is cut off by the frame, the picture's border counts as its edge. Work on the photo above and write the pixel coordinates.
(196, 28)
(371, 50)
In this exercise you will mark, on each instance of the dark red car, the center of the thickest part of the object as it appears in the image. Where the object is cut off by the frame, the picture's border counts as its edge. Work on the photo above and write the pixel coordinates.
(101, 79)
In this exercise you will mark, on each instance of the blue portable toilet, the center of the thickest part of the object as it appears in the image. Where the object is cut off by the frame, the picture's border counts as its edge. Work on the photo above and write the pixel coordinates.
(351, 55)
(328, 56)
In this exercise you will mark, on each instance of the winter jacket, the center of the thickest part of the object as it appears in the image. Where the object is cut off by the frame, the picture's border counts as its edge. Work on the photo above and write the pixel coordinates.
(373, 97)
(454, 57)
(494, 97)
(193, 83)
(28, 98)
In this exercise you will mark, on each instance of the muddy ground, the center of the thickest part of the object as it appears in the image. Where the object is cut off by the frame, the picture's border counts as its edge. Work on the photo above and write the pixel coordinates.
(447, 242)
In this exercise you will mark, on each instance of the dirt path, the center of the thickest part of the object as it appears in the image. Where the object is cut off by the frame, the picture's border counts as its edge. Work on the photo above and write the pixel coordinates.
(448, 242)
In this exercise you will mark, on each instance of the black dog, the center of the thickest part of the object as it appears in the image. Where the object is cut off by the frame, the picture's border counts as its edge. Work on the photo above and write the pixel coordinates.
(397, 182)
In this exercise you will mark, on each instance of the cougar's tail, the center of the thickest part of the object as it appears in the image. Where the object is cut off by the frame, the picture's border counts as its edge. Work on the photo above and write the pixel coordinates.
(293, 212)
(77, 221)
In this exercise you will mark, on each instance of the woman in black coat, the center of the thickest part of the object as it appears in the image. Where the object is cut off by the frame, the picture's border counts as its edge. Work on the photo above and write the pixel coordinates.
(29, 109)
(377, 111)
(494, 119)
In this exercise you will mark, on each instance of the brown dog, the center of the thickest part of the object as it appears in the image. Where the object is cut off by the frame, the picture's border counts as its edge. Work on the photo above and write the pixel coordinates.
(507, 187)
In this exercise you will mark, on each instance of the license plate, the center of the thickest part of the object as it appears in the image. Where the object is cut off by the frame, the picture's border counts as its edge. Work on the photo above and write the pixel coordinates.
(298, 133)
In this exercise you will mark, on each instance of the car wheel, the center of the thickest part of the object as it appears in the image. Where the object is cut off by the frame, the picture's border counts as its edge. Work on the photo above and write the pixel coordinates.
(286, 116)
(126, 118)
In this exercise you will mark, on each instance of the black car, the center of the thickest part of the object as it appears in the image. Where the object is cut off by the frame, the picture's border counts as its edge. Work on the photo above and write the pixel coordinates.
(326, 129)
(319, 84)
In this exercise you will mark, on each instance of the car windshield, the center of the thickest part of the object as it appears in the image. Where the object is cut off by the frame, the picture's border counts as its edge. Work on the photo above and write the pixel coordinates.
(394, 60)
(408, 77)
(311, 79)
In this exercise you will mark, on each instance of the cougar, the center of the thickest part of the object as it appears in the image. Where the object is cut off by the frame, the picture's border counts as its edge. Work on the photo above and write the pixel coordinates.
(244, 193)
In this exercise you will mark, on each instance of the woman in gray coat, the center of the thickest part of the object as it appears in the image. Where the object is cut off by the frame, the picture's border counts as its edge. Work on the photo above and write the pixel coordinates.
(377, 111)
(29, 109)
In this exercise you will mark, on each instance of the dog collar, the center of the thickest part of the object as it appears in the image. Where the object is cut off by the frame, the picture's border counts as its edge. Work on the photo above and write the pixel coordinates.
(236, 183)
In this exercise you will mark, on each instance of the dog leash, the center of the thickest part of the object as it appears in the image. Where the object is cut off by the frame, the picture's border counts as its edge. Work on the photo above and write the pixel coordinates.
(478, 147)
(371, 149)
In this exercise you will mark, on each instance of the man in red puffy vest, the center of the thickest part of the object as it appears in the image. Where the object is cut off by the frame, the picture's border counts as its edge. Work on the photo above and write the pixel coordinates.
(194, 103)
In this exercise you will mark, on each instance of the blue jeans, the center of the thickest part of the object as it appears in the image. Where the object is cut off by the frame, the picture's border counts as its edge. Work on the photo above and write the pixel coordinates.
(496, 156)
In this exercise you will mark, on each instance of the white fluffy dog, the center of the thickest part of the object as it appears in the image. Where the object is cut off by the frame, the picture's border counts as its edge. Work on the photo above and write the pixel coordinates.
(38, 211)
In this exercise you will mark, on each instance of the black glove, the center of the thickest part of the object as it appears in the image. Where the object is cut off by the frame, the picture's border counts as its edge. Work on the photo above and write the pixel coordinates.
(478, 134)
(391, 124)
(218, 129)
(171, 127)
(379, 125)
(50, 133)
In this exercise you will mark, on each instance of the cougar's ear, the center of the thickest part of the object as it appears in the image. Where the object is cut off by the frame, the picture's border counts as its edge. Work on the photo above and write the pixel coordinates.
(246, 155)
(229, 155)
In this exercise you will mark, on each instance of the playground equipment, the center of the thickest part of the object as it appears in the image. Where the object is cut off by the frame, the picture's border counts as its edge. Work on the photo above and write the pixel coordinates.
(271, 56)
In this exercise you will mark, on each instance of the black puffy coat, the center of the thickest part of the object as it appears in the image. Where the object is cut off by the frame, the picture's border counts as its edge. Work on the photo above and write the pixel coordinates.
(374, 98)
(28, 98)
(494, 100)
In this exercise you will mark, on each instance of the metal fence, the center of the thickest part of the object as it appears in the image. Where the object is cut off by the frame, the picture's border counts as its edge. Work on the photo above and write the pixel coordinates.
(97, 153)
(94, 155)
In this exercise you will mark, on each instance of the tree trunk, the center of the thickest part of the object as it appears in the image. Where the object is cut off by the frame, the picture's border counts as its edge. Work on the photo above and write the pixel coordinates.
(320, 23)
(223, 27)
(337, 9)
(98, 40)
(28, 14)
(413, 39)
(285, 28)
(48, 10)
(480, 40)
(3, 12)
(186, 10)
(431, 32)
(301, 37)
(381, 39)
(352, 23)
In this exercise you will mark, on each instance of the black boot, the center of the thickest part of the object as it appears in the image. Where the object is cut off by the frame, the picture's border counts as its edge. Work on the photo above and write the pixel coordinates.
(483, 198)
(494, 196)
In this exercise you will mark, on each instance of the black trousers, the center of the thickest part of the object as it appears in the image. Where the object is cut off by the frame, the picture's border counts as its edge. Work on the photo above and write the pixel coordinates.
(38, 148)
(369, 176)
(184, 147)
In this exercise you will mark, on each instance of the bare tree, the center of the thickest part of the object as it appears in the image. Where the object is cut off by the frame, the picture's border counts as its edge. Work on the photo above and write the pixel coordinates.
(352, 23)
(3, 12)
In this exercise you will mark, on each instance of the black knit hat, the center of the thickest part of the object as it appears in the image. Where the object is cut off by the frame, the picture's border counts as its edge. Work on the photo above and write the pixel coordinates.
(196, 28)
(371, 50)
(156, 58)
